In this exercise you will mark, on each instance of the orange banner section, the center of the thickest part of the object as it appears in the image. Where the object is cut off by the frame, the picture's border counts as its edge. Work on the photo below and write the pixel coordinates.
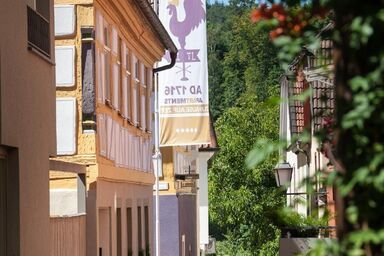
(184, 130)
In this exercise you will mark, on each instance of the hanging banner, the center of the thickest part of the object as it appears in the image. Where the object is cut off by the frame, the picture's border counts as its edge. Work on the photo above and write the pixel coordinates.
(183, 90)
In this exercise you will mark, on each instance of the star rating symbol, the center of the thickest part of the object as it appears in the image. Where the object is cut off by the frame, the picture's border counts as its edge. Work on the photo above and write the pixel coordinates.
(186, 130)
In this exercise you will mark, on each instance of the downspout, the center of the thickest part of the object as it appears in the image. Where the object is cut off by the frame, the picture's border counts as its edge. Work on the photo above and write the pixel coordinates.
(159, 29)
(170, 65)
(157, 156)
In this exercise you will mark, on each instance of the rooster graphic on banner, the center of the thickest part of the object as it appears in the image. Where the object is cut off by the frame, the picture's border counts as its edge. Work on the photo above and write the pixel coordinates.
(194, 16)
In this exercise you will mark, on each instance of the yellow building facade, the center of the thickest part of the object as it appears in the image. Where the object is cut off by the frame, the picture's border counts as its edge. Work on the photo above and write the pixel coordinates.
(105, 54)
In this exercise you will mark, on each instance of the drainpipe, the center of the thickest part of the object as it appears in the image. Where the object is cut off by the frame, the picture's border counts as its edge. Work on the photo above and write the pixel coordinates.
(158, 28)
(170, 65)
(162, 33)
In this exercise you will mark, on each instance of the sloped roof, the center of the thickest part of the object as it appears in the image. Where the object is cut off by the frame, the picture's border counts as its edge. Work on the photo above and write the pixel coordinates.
(213, 146)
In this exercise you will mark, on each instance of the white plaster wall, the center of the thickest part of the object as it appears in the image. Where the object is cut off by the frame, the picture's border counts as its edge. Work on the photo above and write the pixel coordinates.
(63, 202)
(298, 202)
(203, 221)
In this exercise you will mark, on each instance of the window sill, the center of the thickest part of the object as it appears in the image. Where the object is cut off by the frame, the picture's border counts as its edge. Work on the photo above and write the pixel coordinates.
(89, 131)
(37, 52)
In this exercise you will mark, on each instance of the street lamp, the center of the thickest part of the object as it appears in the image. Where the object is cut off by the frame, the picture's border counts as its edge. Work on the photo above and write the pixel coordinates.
(283, 174)
(157, 164)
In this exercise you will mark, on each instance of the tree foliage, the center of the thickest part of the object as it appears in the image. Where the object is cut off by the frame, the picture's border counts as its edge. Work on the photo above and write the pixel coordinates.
(359, 137)
(243, 202)
(241, 59)
(243, 76)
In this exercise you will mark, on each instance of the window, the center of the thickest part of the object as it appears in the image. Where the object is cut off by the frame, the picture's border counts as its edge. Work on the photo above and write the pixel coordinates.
(118, 232)
(38, 13)
(106, 33)
(64, 20)
(129, 231)
(66, 126)
(65, 66)
(42, 7)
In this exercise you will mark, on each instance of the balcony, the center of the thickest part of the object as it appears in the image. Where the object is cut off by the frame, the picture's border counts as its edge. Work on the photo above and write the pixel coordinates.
(38, 32)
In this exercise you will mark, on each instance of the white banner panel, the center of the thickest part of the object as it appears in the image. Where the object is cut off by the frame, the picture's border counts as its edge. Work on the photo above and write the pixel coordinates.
(183, 90)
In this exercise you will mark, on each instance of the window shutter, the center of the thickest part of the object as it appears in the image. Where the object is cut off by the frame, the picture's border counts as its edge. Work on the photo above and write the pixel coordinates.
(109, 136)
(65, 66)
(99, 76)
(124, 96)
(102, 135)
(116, 83)
(148, 95)
(114, 40)
(143, 109)
(65, 21)
(99, 27)
(107, 75)
(135, 88)
(66, 126)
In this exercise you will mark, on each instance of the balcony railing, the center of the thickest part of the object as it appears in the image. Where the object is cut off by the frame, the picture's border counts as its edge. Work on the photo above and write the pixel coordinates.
(38, 32)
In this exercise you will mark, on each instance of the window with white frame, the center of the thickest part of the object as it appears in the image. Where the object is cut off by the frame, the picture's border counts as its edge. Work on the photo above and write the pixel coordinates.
(65, 20)
(65, 65)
